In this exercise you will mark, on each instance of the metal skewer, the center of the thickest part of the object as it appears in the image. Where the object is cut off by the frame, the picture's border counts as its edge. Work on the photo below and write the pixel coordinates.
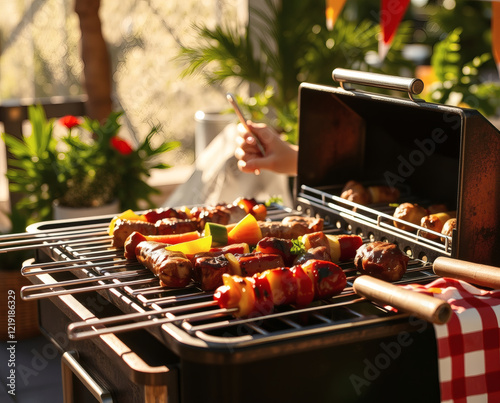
(29, 292)
(76, 331)
(47, 242)
(35, 234)
(34, 270)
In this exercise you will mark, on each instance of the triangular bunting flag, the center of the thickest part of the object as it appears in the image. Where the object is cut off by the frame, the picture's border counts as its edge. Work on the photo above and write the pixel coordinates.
(333, 10)
(495, 32)
(391, 14)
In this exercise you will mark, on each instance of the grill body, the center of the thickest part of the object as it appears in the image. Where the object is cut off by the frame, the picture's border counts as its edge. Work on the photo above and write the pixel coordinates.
(375, 363)
(344, 349)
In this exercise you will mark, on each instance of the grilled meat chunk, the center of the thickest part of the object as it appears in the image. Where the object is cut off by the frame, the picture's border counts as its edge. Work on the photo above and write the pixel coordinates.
(382, 260)
(221, 214)
(291, 227)
(412, 213)
(435, 222)
(169, 226)
(357, 193)
(278, 246)
(161, 213)
(173, 268)
(208, 271)
(251, 263)
(123, 228)
(317, 253)
(448, 228)
(134, 239)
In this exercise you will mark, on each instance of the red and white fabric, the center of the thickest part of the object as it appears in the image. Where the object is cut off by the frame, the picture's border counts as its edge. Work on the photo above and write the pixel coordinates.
(469, 344)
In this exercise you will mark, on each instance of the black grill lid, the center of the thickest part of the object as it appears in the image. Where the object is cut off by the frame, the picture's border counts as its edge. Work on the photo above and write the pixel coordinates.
(438, 153)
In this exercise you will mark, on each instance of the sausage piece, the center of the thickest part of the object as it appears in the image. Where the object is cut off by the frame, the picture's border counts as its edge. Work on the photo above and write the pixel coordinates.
(167, 226)
(173, 268)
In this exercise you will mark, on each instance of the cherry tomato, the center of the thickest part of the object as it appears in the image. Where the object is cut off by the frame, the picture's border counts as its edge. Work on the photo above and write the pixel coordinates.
(259, 211)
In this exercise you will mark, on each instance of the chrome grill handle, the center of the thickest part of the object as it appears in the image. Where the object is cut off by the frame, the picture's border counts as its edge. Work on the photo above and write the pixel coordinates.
(413, 86)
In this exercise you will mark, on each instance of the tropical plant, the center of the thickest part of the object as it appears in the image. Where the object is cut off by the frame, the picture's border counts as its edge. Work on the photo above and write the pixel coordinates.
(460, 83)
(284, 46)
(90, 166)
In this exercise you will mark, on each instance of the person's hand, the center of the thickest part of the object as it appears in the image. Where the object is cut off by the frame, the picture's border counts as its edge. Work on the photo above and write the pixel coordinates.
(281, 156)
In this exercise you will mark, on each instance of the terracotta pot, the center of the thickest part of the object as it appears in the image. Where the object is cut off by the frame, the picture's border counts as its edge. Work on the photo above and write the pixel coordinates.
(63, 212)
(23, 314)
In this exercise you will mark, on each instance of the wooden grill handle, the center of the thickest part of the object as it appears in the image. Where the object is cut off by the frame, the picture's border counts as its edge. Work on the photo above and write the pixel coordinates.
(423, 306)
(475, 273)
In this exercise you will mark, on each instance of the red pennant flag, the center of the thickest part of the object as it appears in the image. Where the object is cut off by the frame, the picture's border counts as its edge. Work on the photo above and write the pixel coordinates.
(333, 10)
(495, 32)
(391, 14)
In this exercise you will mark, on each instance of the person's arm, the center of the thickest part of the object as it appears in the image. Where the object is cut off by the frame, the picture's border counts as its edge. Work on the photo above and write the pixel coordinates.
(281, 156)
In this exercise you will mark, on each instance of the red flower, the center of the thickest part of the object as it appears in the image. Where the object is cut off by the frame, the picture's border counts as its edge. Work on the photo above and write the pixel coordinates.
(70, 121)
(120, 145)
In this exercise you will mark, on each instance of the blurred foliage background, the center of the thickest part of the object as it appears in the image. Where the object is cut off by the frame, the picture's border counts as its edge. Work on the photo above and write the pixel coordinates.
(281, 48)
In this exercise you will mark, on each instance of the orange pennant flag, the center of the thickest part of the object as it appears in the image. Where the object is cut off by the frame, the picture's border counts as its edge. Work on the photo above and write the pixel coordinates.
(495, 32)
(333, 10)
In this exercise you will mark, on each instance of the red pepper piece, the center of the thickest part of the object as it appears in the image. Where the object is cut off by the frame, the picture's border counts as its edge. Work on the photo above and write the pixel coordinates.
(246, 204)
(305, 287)
(263, 295)
(349, 244)
(236, 248)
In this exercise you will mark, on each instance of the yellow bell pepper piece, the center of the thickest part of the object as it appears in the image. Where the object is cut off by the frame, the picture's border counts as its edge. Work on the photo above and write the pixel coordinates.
(192, 247)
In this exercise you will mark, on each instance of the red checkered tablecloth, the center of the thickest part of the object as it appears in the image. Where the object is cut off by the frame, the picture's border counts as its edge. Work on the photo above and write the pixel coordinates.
(469, 344)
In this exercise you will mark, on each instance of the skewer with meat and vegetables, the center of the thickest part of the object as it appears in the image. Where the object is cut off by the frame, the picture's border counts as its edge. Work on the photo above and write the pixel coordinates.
(180, 259)
(167, 221)
(293, 256)
(299, 286)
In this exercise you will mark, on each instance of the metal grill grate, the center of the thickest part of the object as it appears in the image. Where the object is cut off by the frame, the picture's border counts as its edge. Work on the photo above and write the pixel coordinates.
(85, 261)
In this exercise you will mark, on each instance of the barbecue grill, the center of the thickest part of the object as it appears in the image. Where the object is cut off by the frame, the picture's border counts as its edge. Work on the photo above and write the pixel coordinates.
(125, 338)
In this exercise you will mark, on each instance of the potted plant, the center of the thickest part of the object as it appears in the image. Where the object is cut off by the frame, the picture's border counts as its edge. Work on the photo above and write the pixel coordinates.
(89, 166)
